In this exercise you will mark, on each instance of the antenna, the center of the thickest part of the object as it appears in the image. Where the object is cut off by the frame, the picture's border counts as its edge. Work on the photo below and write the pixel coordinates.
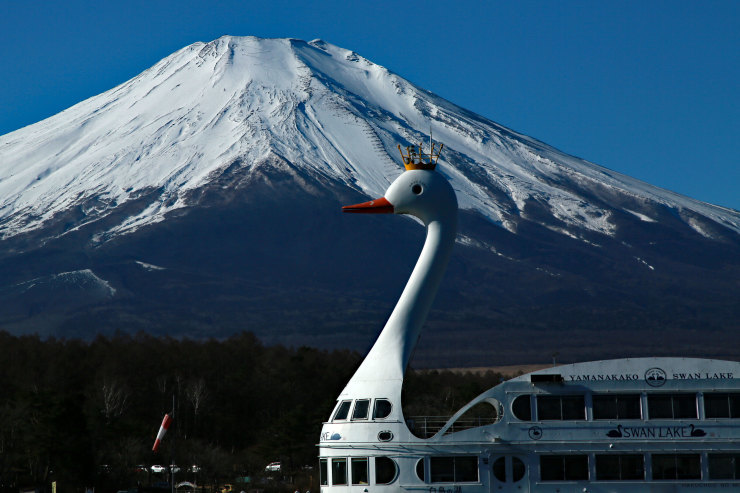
(431, 145)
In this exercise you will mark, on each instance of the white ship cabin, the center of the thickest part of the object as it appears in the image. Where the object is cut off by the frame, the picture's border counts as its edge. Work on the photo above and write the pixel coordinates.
(627, 425)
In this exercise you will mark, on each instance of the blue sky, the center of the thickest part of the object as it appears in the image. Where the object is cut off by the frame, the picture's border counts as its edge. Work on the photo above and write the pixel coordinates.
(647, 88)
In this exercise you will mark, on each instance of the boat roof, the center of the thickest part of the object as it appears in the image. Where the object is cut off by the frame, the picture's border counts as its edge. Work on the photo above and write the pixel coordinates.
(648, 369)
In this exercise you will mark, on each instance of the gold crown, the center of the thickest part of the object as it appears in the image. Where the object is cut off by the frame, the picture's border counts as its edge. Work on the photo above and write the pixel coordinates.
(415, 158)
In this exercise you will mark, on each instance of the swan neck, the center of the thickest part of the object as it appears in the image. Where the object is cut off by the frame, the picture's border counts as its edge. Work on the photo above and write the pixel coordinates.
(384, 367)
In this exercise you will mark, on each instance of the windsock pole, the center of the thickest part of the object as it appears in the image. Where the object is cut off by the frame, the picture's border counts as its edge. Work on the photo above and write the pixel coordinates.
(162, 430)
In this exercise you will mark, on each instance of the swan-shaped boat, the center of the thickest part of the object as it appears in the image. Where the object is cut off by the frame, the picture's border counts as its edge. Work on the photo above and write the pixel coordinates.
(625, 425)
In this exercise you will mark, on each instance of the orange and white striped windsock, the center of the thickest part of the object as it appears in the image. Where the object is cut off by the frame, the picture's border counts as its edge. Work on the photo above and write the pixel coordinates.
(162, 430)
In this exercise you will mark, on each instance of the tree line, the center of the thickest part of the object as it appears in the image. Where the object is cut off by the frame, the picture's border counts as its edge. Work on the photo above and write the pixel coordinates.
(85, 413)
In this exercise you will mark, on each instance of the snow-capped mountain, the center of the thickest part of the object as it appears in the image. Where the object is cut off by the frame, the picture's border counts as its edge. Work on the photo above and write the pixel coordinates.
(247, 120)
(325, 110)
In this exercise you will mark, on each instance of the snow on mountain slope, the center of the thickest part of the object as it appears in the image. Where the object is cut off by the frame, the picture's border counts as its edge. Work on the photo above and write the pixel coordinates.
(327, 111)
(83, 279)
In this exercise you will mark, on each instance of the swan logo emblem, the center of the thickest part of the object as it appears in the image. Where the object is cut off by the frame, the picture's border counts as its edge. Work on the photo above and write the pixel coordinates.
(655, 377)
(535, 433)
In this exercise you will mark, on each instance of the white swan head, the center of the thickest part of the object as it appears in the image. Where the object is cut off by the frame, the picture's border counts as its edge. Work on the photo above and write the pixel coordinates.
(425, 194)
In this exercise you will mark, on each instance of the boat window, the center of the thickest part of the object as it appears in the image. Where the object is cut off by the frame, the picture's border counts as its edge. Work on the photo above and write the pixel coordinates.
(518, 469)
(684, 406)
(323, 473)
(382, 409)
(672, 406)
(385, 470)
(362, 406)
(722, 405)
(676, 466)
(442, 469)
(546, 378)
(338, 471)
(561, 407)
(574, 407)
(466, 469)
(487, 412)
(616, 406)
(420, 469)
(660, 406)
(563, 467)
(342, 410)
(522, 408)
(724, 466)
(499, 469)
(385, 436)
(548, 407)
(616, 467)
(359, 470)
(457, 469)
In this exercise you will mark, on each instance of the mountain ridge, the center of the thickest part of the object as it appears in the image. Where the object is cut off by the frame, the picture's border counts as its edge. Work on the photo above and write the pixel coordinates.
(189, 166)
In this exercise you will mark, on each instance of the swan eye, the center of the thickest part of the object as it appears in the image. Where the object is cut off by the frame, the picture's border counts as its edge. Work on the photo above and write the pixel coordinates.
(417, 189)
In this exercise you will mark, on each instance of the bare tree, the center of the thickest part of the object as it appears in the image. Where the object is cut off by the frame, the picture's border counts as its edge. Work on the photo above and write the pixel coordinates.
(162, 384)
(196, 393)
(114, 397)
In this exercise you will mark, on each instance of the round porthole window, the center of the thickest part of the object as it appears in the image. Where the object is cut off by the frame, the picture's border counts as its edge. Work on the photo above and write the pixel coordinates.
(385, 436)
(386, 470)
(420, 469)
(518, 469)
(499, 469)
(521, 407)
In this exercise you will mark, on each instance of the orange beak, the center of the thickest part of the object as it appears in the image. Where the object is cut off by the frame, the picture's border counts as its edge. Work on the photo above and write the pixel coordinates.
(377, 206)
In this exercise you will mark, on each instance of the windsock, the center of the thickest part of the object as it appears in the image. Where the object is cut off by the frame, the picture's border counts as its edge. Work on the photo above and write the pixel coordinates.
(162, 430)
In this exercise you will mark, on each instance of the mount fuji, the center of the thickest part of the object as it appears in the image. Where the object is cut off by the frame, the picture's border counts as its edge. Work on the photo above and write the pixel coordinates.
(203, 196)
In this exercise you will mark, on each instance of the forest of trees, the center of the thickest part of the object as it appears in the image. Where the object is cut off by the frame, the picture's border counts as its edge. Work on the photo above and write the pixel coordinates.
(85, 413)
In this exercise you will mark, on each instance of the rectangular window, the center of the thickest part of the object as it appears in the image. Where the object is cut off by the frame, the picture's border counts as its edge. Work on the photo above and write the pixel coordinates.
(573, 406)
(724, 466)
(551, 468)
(561, 407)
(548, 407)
(323, 473)
(563, 467)
(632, 467)
(616, 467)
(362, 406)
(442, 469)
(616, 406)
(359, 470)
(342, 410)
(459, 469)
(672, 406)
(660, 406)
(576, 467)
(684, 406)
(338, 471)
(466, 469)
(722, 405)
(676, 466)
(717, 405)
(607, 467)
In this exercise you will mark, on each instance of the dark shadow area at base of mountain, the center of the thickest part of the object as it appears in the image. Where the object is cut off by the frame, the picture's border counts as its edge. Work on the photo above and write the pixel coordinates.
(285, 264)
